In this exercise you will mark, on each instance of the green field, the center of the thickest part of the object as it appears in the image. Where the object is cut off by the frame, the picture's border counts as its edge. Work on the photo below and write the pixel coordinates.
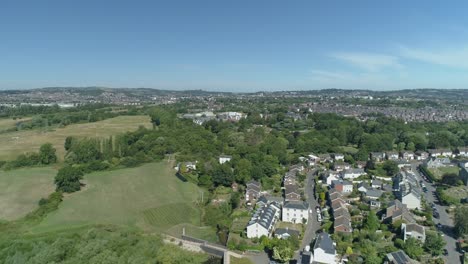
(15, 143)
(438, 172)
(21, 189)
(458, 192)
(149, 197)
(8, 123)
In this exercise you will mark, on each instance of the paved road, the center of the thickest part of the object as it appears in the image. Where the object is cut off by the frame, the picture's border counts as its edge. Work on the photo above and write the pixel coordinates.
(445, 220)
(312, 225)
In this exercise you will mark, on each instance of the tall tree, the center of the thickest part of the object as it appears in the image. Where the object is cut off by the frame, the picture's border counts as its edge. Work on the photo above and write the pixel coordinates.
(68, 179)
(434, 243)
(47, 154)
(372, 221)
(461, 221)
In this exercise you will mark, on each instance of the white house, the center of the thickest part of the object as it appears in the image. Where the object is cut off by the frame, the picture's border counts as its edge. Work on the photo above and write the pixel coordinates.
(413, 230)
(224, 159)
(338, 156)
(392, 155)
(324, 249)
(352, 173)
(463, 152)
(295, 212)
(411, 199)
(407, 155)
(331, 176)
(263, 221)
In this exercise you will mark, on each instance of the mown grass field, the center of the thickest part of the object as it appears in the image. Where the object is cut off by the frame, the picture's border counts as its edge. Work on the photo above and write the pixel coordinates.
(150, 197)
(14, 143)
(21, 190)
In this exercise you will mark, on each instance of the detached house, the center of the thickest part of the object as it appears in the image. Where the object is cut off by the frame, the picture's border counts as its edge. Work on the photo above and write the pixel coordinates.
(373, 194)
(399, 257)
(338, 156)
(407, 155)
(352, 173)
(377, 156)
(421, 155)
(398, 211)
(377, 184)
(330, 176)
(224, 159)
(324, 249)
(413, 230)
(462, 152)
(252, 192)
(295, 212)
(392, 155)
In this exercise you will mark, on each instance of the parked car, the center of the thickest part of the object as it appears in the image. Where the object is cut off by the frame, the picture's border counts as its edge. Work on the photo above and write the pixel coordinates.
(436, 214)
(445, 252)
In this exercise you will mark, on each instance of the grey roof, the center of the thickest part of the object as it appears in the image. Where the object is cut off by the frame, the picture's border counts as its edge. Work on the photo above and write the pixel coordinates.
(414, 227)
(376, 182)
(290, 188)
(296, 205)
(262, 199)
(399, 257)
(253, 183)
(264, 216)
(374, 193)
(282, 231)
(325, 242)
(364, 184)
(306, 257)
(355, 170)
(342, 182)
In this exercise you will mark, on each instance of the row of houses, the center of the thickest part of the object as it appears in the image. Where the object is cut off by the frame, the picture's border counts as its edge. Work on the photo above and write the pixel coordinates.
(341, 216)
(291, 208)
(270, 210)
(418, 155)
(202, 117)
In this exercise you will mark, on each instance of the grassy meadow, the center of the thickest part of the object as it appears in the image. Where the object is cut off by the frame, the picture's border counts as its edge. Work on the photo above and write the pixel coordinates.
(15, 143)
(8, 123)
(150, 197)
(439, 172)
(21, 189)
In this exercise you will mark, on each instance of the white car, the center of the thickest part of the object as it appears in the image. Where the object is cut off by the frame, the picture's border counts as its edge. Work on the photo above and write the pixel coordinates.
(319, 218)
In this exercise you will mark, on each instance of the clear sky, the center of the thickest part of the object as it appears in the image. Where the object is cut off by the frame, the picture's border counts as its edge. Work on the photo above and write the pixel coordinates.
(234, 45)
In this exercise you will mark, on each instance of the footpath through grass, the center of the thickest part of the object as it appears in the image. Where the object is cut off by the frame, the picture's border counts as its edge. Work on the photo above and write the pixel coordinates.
(21, 190)
(150, 197)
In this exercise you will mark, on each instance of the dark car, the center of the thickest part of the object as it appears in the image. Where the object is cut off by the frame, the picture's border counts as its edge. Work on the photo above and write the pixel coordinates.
(445, 252)
(439, 226)
(436, 214)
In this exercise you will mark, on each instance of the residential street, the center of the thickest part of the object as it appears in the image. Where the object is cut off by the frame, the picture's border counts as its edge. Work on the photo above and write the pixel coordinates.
(444, 220)
(312, 225)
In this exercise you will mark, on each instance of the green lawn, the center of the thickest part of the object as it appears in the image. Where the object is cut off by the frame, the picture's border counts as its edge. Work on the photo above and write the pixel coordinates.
(21, 189)
(149, 197)
(15, 143)
(458, 192)
(439, 172)
(8, 123)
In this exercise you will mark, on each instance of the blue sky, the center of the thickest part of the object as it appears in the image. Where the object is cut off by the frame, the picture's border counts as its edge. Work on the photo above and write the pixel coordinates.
(234, 45)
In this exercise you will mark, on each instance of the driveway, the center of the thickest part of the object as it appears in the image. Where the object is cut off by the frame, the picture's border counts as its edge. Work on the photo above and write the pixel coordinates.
(445, 220)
